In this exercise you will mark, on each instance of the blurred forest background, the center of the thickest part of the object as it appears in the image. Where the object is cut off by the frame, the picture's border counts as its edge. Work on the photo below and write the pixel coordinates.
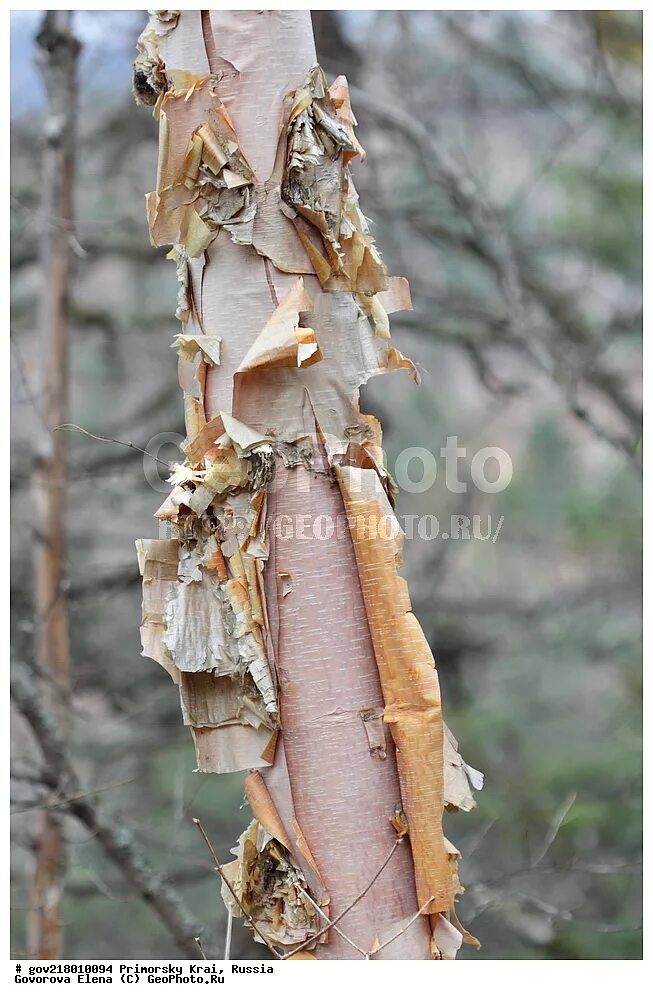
(504, 179)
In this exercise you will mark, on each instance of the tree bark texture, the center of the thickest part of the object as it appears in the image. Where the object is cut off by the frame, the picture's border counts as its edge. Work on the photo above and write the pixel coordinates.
(273, 599)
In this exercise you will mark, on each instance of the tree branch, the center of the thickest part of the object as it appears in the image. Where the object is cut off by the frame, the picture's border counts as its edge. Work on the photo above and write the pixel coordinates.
(115, 838)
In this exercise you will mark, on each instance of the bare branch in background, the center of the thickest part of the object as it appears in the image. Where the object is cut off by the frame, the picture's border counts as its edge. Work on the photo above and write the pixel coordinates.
(519, 278)
(115, 838)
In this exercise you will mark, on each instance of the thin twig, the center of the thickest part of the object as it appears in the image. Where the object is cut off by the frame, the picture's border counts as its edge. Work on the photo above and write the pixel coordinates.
(403, 929)
(227, 939)
(220, 871)
(326, 917)
(554, 827)
(346, 910)
(55, 803)
(112, 440)
(198, 942)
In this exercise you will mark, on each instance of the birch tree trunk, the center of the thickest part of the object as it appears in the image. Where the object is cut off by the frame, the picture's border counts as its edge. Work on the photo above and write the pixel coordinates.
(58, 59)
(290, 635)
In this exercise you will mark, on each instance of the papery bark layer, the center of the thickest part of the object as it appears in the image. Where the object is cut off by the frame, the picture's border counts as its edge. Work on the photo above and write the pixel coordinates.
(294, 646)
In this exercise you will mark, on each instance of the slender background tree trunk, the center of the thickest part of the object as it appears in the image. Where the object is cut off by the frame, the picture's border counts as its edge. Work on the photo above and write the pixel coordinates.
(57, 59)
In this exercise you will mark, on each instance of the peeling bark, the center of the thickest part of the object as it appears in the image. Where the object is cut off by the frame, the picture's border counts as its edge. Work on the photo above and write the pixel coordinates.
(295, 650)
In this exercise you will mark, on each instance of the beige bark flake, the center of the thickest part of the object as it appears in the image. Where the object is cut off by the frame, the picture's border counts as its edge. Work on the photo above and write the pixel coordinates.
(372, 719)
(459, 778)
(283, 342)
(266, 881)
(446, 940)
(149, 78)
